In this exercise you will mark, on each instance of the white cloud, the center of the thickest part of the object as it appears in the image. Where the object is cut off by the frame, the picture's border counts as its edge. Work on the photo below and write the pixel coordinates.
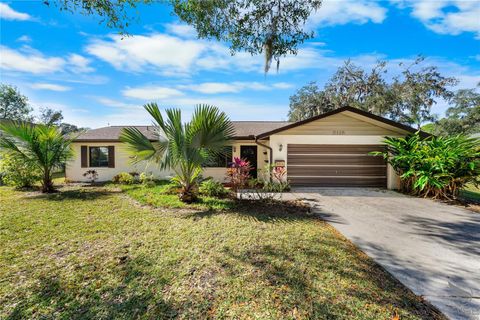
(25, 39)
(224, 87)
(140, 53)
(174, 57)
(117, 103)
(215, 87)
(79, 64)
(151, 93)
(50, 86)
(29, 60)
(283, 85)
(237, 108)
(205, 87)
(170, 55)
(445, 16)
(7, 13)
(335, 12)
(181, 30)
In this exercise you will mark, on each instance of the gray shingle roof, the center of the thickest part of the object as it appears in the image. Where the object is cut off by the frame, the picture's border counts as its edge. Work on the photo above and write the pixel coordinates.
(243, 129)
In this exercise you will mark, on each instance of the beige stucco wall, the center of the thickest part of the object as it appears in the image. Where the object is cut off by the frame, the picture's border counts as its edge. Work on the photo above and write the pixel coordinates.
(74, 171)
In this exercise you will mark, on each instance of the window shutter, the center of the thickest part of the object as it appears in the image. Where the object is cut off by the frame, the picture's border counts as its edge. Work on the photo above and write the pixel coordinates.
(111, 156)
(84, 156)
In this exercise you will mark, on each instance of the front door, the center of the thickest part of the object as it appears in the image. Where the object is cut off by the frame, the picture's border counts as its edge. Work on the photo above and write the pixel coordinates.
(249, 153)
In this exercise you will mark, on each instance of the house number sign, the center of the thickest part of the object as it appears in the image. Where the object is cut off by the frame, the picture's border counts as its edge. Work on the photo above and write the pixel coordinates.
(338, 132)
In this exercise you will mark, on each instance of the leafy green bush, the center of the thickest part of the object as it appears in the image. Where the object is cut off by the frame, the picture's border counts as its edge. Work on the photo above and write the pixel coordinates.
(212, 188)
(146, 178)
(171, 188)
(435, 167)
(255, 183)
(18, 173)
(281, 186)
(123, 178)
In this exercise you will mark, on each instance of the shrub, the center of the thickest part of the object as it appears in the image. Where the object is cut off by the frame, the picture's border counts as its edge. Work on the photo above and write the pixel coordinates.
(254, 183)
(171, 189)
(18, 173)
(91, 175)
(239, 173)
(145, 178)
(135, 175)
(123, 178)
(279, 174)
(272, 186)
(212, 188)
(435, 167)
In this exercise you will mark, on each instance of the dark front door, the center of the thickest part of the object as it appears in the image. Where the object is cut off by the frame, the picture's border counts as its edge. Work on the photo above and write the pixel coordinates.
(249, 153)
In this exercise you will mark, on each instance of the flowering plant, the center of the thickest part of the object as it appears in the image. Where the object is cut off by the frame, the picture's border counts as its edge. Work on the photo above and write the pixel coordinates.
(239, 173)
(278, 174)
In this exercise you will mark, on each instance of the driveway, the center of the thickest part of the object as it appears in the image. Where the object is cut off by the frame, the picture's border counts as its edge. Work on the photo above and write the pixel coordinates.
(432, 248)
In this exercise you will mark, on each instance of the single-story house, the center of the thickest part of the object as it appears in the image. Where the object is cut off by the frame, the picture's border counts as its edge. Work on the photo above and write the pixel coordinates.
(331, 150)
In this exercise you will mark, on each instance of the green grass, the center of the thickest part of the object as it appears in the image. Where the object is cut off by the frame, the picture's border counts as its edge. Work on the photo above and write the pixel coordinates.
(156, 196)
(91, 253)
(471, 193)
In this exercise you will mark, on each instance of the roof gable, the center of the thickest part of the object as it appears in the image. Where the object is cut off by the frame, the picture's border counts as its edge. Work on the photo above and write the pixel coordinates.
(343, 124)
(346, 120)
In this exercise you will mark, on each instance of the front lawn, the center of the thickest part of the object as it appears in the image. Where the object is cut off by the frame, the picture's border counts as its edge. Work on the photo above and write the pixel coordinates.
(158, 196)
(87, 253)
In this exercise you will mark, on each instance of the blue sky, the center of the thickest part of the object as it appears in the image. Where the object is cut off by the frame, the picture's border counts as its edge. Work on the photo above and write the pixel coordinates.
(72, 63)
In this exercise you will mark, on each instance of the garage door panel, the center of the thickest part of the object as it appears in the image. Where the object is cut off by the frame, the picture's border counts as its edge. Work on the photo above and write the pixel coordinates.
(335, 170)
(336, 159)
(334, 148)
(339, 182)
(336, 165)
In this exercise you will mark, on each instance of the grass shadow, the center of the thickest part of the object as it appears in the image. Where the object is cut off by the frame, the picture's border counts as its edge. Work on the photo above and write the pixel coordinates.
(274, 211)
(282, 268)
(131, 298)
(76, 194)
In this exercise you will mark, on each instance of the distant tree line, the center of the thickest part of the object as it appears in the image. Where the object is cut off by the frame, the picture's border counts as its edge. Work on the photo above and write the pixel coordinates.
(14, 106)
(407, 97)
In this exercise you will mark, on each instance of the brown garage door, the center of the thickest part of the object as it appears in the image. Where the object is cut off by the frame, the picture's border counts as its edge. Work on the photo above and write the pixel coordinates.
(335, 165)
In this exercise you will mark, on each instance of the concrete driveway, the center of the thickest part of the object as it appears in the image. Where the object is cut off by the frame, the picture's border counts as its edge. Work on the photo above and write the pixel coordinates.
(432, 248)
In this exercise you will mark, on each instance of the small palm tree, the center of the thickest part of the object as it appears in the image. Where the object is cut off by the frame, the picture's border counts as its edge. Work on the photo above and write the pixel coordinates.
(44, 147)
(182, 147)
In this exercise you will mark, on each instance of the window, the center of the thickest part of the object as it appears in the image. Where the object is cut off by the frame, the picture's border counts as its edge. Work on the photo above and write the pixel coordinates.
(222, 160)
(98, 156)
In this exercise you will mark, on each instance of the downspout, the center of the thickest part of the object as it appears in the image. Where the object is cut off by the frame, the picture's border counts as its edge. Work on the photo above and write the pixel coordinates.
(265, 146)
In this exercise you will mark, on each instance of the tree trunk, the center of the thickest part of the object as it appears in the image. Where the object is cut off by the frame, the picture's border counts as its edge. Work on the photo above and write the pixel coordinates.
(188, 194)
(47, 183)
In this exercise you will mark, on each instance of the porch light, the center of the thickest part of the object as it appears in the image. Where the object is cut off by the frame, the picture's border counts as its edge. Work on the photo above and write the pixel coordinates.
(280, 147)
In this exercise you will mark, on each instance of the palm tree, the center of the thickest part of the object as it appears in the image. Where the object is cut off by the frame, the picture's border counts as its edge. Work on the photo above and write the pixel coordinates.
(42, 146)
(182, 147)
